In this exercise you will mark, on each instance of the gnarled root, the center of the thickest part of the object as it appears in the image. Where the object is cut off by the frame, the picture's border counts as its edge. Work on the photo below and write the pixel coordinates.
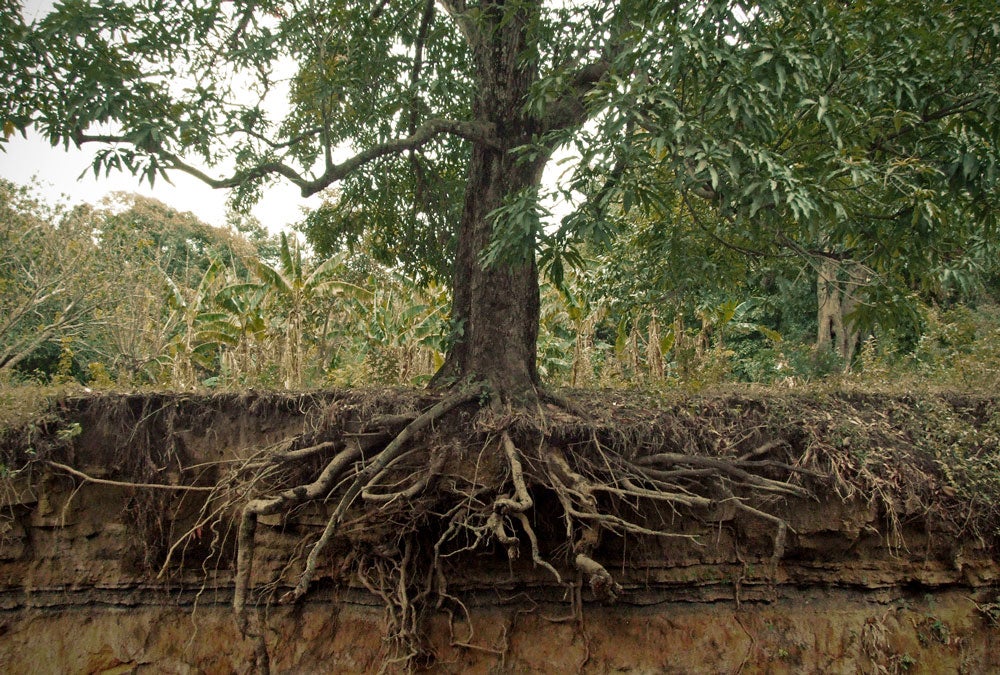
(516, 507)
(407, 490)
(282, 501)
(366, 477)
(601, 583)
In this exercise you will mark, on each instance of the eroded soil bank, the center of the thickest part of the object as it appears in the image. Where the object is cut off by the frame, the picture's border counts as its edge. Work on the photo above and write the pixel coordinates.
(889, 566)
(828, 631)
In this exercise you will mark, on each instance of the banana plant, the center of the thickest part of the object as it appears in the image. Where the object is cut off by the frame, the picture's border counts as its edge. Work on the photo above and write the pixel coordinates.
(195, 330)
(404, 327)
(292, 288)
(243, 303)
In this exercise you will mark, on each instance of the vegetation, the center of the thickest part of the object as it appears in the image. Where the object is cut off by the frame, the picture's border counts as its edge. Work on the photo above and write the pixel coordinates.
(130, 293)
(768, 192)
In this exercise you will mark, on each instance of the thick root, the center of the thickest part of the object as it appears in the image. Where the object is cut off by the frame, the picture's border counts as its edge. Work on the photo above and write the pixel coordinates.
(366, 477)
(398, 488)
(334, 469)
(601, 582)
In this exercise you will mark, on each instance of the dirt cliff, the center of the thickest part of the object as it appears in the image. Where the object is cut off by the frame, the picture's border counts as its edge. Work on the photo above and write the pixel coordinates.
(875, 574)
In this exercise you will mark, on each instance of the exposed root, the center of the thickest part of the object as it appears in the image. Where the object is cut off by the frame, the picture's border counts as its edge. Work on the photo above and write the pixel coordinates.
(780, 535)
(729, 468)
(366, 476)
(258, 634)
(522, 501)
(128, 484)
(568, 490)
(261, 507)
(536, 558)
(405, 497)
(601, 582)
(437, 464)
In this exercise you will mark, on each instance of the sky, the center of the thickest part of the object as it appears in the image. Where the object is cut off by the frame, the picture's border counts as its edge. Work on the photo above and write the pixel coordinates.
(57, 173)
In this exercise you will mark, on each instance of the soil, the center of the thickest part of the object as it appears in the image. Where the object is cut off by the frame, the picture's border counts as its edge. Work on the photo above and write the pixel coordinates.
(887, 561)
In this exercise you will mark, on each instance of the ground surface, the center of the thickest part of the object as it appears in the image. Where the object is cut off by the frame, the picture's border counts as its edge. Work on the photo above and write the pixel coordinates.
(600, 531)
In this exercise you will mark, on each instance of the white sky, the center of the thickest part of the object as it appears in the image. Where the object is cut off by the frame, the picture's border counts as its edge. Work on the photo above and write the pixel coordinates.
(59, 174)
(66, 173)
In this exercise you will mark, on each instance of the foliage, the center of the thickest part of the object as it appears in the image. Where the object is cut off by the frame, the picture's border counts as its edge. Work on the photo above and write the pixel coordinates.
(820, 136)
(957, 347)
(735, 134)
(49, 280)
(717, 136)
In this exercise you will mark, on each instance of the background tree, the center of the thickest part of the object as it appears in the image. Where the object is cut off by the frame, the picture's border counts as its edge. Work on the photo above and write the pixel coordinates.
(49, 284)
(157, 259)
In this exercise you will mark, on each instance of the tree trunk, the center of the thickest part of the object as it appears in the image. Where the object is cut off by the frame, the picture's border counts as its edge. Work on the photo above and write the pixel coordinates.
(836, 299)
(495, 309)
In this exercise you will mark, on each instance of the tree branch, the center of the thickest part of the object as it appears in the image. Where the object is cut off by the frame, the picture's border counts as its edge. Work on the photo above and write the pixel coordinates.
(428, 131)
(957, 108)
(569, 110)
(753, 253)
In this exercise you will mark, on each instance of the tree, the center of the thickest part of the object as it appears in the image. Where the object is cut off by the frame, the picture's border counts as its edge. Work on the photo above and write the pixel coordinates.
(807, 126)
(179, 244)
(868, 153)
(47, 263)
(789, 119)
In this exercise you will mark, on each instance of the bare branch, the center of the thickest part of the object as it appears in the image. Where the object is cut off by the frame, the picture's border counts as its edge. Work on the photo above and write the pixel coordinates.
(428, 131)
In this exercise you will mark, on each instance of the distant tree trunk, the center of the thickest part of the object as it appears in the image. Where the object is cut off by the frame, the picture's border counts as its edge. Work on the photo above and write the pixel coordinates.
(654, 354)
(836, 289)
(495, 309)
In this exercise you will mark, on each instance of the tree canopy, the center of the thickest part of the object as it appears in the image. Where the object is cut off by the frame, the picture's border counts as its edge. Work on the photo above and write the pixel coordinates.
(864, 132)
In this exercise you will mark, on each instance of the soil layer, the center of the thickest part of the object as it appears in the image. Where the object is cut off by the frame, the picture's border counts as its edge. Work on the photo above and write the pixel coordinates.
(889, 565)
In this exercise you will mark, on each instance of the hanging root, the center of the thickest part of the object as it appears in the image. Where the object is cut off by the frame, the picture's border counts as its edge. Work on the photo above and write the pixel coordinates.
(779, 536)
(516, 507)
(366, 477)
(258, 634)
(334, 469)
(393, 581)
(406, 490)
(601, 583)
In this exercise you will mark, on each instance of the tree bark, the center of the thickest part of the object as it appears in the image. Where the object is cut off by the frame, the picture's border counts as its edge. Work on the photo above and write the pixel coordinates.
(495, 309)
(836, 299)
